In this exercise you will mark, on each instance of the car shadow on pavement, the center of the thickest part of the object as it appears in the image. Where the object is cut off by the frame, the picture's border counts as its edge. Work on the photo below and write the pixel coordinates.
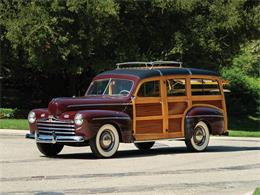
(157, 151)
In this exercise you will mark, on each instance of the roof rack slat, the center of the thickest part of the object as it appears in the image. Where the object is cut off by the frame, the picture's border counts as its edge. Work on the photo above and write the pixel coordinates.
(167, 62)
(149, 64)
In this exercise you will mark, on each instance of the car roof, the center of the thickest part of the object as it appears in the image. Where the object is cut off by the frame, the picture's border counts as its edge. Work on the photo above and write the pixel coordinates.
(143, 73)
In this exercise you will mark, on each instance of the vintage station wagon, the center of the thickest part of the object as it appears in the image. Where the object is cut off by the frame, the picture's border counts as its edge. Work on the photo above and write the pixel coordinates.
(138, 102)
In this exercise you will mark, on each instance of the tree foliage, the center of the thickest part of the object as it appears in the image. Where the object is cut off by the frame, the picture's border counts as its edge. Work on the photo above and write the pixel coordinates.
(50, 45)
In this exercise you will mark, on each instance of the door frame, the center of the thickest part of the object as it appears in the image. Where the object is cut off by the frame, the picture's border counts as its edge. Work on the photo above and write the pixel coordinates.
(147, 100)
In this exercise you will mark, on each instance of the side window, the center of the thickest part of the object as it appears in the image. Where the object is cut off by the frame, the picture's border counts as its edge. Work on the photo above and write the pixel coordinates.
(204, 87)
(149, 89)
(175, 87)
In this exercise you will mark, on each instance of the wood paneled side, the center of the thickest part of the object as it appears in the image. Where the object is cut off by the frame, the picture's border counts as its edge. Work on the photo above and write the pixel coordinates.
(217, 103)
(176, 107)
(152, 126)
(150, 109)
(175, 125)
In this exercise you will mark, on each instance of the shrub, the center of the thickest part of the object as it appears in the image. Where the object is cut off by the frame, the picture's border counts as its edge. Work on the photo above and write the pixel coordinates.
(244, 81)
(245, 92)
(7, 112)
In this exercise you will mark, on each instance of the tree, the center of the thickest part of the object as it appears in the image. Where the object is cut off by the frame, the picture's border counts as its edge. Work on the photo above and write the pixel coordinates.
(50, 45)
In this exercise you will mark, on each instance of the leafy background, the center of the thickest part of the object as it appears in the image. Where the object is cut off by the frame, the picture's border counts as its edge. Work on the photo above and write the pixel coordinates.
(54, 48)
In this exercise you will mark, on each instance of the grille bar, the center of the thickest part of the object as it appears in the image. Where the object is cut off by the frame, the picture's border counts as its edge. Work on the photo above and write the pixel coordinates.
(55, 128)
(57, 132)
(56, 121)
(53, 125)
(48, 127)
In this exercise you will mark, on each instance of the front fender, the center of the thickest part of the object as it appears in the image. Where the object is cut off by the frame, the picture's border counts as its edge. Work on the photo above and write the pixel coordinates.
(39, 114)
(212, 116)
(94, 119)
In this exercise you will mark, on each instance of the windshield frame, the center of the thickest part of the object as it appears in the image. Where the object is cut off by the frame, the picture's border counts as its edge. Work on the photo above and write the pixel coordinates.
(109, 81)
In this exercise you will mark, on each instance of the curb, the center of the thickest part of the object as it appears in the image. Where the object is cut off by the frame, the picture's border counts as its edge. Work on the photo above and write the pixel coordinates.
(13, 131)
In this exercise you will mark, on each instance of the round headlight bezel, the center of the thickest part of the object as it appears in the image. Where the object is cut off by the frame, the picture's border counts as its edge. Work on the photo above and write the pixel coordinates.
(31, 117)
(78, 119)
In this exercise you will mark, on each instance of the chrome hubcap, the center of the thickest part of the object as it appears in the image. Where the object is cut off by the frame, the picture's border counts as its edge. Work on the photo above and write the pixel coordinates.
(106, 140)
(199, 135)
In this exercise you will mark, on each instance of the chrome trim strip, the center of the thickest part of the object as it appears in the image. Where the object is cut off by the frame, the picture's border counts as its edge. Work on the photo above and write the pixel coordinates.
(59, 139)
(57, 132)
(219, 116)
(55, 121)
(61, 129)
(92, 105)
(104, 118)
(54, 125)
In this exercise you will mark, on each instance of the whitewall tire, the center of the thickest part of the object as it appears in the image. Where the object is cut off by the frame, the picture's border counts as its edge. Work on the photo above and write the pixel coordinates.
(106, 142)
(200, 138)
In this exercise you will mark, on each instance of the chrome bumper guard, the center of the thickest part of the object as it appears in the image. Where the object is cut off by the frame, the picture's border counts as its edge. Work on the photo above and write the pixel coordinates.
(55, 139)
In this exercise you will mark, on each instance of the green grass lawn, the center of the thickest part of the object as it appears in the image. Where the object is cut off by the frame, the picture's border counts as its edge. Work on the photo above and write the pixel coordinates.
(235, 133)
(247, 126)
(257, 191)
(20, 124)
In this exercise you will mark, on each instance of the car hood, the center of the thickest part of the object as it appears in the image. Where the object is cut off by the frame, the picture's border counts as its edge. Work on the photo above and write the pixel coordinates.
(59, 105)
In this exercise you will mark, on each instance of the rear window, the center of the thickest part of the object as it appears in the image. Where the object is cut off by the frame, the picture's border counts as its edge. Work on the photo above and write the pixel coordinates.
(204, 87)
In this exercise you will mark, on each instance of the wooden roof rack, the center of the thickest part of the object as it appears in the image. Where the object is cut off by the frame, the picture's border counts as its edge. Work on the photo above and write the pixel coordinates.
(149, 65)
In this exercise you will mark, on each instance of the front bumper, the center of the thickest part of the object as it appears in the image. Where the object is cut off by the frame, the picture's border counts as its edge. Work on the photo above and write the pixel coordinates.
(54, 139)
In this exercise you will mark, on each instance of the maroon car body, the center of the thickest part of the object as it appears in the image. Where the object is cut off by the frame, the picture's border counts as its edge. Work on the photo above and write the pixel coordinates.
(77, 121)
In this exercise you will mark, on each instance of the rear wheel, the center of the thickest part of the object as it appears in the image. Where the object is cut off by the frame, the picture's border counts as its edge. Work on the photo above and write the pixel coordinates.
(106, 142)
(144, 145)
(200, 138)
(49, 149)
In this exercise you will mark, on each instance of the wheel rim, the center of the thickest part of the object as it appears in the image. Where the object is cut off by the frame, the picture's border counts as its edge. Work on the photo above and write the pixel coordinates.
(107, 140)
(199, 135)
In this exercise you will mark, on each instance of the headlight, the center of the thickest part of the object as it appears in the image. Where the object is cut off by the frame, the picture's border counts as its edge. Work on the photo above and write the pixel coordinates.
(31, 117)
(78, 119)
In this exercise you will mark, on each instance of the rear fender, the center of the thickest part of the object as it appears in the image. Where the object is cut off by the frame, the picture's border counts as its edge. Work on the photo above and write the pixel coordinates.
(212, 116)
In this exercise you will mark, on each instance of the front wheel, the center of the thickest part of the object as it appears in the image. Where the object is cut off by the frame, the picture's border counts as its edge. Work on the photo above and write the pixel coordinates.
(49, 149)
(144, 145)
(200, 138)
(106, 142)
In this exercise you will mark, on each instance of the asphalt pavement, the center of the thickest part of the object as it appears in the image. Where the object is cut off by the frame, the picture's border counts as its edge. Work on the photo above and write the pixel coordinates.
(229, 166)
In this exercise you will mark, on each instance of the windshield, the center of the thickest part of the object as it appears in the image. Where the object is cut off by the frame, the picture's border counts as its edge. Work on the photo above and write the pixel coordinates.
(110, 87)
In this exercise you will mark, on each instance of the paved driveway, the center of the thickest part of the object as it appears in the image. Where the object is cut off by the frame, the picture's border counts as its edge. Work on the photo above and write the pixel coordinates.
(230, 166)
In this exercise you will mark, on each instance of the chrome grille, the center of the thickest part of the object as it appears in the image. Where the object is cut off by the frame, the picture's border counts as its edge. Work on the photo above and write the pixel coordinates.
(56, 126)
